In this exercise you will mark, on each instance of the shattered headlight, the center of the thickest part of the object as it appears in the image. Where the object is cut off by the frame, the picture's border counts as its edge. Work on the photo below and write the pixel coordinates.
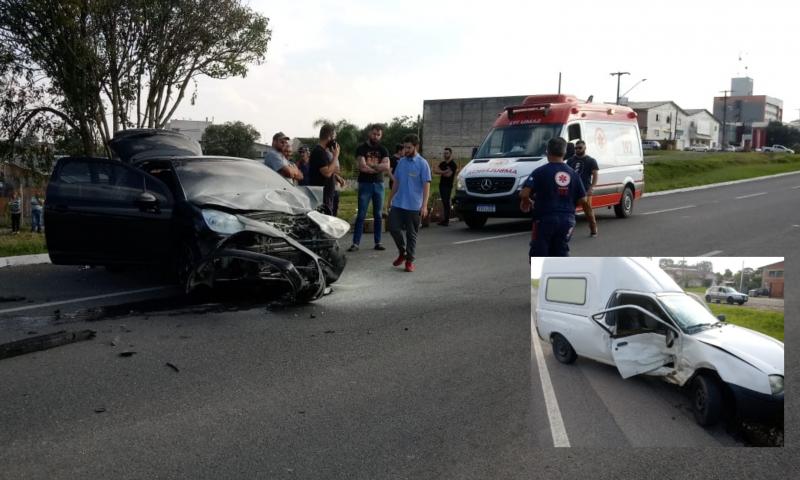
(776, 384)
(222, 222)
(332, 226)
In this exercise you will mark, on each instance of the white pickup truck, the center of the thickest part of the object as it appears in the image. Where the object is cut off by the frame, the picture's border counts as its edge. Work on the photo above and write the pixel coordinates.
(777, 149)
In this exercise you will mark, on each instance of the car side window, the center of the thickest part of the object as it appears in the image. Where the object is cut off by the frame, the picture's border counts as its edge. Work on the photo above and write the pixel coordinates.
(631, 321)
(75, 171)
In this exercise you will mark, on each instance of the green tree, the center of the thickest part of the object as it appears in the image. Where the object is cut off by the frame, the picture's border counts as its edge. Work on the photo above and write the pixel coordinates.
(234, 139)
(778, 133)
(129, 61)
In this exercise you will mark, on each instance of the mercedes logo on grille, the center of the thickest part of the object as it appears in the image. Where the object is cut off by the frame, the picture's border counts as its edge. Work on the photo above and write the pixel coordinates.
(486, 184)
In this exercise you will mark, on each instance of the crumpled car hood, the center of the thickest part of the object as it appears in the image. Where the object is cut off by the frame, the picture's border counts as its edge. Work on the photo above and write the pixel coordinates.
(290, 200)
(761, 351)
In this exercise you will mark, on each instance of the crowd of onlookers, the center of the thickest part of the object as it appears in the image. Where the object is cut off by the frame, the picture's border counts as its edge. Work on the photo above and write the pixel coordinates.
(14, 209)
(409, 182)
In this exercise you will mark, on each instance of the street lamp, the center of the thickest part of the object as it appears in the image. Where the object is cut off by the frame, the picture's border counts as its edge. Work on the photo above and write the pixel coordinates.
(629, 90)
(619, 75)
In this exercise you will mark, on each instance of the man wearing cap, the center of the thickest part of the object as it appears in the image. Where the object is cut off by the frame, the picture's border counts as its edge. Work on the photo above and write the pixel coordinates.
(274, 158)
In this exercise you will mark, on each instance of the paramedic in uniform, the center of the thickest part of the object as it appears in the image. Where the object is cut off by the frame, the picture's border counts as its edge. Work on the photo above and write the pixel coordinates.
(556, 190)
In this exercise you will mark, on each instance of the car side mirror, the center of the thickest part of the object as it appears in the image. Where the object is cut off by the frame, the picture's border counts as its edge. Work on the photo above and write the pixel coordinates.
(670, 338)
(721, 318)
(146, 198)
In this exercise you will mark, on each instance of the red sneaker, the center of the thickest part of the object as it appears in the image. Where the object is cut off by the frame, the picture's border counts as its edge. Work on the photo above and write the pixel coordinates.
(400, 259)
(409, 266)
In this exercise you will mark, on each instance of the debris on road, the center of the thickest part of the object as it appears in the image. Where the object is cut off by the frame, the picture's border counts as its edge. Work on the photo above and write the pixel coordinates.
(11, 298)
(170, 365)
(330, 331)
(99, 410)
(43, 342)
(115, 341)
(127, 353)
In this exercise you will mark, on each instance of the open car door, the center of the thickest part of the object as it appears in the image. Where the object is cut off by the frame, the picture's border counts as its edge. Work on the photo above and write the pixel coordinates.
(641, 342)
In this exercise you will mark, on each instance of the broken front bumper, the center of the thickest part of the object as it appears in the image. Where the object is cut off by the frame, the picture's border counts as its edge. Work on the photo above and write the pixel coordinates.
(261, 257)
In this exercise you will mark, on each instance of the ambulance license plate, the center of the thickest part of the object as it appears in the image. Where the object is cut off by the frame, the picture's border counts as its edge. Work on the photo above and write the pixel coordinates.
(484, 208)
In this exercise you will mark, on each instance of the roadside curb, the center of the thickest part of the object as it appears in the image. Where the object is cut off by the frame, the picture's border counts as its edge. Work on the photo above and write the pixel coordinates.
(721, 184)
(24, 260)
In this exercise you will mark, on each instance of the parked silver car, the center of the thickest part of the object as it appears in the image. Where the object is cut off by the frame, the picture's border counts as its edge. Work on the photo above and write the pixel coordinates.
(651, 145)
(729, 294)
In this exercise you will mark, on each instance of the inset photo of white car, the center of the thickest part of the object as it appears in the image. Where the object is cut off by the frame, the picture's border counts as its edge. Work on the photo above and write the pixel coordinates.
(648, 318)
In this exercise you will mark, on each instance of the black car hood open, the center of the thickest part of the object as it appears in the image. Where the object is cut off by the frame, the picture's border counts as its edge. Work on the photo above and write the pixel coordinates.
(138, 144)
(294, 201)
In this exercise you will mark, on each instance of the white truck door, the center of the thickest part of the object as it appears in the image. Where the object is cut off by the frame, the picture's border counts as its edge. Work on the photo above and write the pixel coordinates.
(641, 353)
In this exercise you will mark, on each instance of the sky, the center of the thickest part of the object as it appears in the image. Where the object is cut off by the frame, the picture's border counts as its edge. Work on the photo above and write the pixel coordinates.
(720, 263)
(368, 61)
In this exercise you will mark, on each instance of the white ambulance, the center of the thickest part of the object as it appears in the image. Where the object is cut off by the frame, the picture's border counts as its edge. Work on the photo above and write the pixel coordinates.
(489, 185)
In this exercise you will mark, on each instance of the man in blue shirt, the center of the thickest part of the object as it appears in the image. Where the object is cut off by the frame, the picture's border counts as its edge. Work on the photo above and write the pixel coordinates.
(410, 191)
(556, 190)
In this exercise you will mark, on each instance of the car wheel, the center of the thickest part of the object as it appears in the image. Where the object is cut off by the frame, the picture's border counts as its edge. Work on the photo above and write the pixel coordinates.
(475, 221)
(624, 208)
(708, 298)
(706, 400)
(562, 350)
(740, 302)
(186, 259)
(729, 300)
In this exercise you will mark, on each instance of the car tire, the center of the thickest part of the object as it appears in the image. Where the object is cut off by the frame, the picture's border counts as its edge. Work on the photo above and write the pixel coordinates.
(562, 350)
(186, 258)
(708, 298)
(475, 221)
(740, 302)
(706, 400)
(624, 208)
(729, 300)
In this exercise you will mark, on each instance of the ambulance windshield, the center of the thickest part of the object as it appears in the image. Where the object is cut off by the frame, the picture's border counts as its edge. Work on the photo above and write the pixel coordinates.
(518, 141)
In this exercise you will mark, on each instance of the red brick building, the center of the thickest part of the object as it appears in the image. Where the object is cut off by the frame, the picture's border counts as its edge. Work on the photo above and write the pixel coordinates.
(772, 279)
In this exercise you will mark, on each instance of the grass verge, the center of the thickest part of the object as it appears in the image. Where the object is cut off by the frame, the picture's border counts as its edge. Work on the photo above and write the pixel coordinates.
(24, 243)
(766, 322)
(688, 169)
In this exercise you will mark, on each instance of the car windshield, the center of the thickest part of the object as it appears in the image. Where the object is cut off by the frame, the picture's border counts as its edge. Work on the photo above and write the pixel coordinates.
(689, 313)
(518, 141)
(215, 176)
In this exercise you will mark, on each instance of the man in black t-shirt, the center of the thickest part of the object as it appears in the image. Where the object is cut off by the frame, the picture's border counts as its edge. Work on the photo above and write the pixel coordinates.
(324, 164)
(373, 162)
(586, 167)
(448, 169)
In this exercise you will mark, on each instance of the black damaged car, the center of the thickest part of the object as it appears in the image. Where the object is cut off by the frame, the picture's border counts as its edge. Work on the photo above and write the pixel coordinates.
(207, 219)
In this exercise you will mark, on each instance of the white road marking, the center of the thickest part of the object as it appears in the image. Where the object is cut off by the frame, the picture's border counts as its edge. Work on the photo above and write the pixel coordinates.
(795, 188)
(84, 299)
(668, 210)
(751, 195)
(711, 253)
(491, 238)
(557, 429)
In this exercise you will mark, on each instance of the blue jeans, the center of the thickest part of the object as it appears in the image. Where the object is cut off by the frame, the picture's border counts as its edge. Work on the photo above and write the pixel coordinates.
(36, 220)
(368, 191)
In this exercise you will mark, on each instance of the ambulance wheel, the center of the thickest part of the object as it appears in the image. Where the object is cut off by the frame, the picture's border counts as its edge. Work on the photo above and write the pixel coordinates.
(624, 208)
(562, 350)
(706, 400)
(475, 221)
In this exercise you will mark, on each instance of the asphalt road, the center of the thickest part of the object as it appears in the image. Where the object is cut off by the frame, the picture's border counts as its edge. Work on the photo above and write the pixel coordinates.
(394, 375)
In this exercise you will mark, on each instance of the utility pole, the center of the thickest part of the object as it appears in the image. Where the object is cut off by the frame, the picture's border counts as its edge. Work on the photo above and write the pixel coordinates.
(725, 117)
(619, 75)
(559, 83)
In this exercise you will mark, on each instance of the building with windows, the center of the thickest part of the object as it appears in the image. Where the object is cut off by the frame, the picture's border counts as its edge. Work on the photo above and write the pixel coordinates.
(663, 121)
(746, 115)
(704, 128)
(772, 279)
